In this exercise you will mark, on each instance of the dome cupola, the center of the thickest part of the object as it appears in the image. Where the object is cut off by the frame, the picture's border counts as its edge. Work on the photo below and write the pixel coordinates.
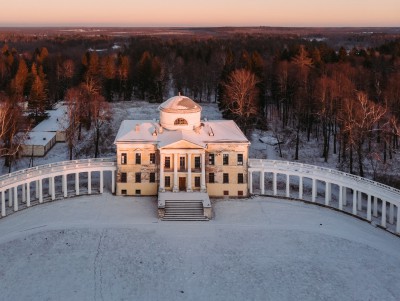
(179, 113)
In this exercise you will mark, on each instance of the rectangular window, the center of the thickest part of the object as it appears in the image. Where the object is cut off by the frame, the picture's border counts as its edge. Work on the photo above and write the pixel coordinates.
(196, 181)
(123, 191)
(167, 181)
(226, 178)
(181, 163)
(239, 159)
(152, 177)
(138, 158)
(211, 159)
(167, 162)
(138, 177)
(240, 178)
(123, 158)
(225, 159)
(138, 191)
(211, 177)
(240, 193)
(197, 162)
(152, 158)
(123, 177)
(226, 192)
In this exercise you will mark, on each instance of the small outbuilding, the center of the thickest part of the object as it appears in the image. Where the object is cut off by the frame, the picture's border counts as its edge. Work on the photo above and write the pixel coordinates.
(56, 123)
(37, 144)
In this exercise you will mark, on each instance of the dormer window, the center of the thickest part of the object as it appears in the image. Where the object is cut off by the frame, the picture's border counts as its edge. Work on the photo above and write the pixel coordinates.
(180, 121)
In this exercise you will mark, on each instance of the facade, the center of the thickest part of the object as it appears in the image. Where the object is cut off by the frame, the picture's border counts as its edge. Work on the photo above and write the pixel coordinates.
(181, 153)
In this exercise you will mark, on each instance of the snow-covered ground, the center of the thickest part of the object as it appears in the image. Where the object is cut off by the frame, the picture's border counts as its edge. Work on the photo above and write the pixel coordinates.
(108, 248)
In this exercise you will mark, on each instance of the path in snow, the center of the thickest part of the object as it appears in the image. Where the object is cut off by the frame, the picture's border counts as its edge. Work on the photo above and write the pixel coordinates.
(108, 248)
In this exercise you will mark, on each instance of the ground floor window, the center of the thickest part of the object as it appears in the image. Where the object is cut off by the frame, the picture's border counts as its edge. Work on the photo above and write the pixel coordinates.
(123, 177)
(240, 178)
(138, 177)
(226, 178)
(211, 177)
(226, 192)
(167, 181)
(123, 191)
(196, 181)
(138, 191)
(240, 193)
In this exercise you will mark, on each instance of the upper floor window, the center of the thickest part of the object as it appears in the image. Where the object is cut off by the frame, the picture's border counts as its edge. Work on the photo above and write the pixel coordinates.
(167, 162)
(138, 158)
(123, 177)
(197, 162)
(225, 159)
(123, 158)
(239, 159)
(138, 177)
(180, 121)
(211, 177)
(152, 158)
(240, 178)
(152, 177)
(225, 178)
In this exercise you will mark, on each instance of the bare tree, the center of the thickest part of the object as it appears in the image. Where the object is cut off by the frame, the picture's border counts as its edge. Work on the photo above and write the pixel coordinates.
(240, 97)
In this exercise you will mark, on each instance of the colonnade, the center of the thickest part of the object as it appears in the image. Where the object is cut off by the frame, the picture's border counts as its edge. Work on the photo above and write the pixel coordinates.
(25, 187)
(361, 197)
(187, 154)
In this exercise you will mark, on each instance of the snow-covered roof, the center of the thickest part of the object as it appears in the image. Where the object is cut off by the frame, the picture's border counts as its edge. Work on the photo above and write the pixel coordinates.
(39, 138)
(179, 104)
(56, 121)
(216, 131)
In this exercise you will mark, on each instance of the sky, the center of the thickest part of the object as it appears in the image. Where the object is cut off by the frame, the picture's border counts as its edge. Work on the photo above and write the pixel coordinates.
(156, 13)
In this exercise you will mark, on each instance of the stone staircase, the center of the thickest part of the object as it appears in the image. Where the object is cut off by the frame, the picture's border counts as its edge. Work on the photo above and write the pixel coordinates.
(184, 210)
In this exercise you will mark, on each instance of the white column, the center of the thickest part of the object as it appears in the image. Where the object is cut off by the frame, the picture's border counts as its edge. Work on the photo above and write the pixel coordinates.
(354, 202)
(383, 221)
(37, 189)
(16, 198)
(77, 183)
(287, 185)
(262, 188)
(359, 201)
(375, 206)
(397, 223)
(340, 197)
(189, 174)
(369, 207)
(203, 172)
(314, 190)
(10, 197)
(28, 194)
(344, 196)
(53, 189)
(250, 182)
(162, 177)
(274, 188)
(327, 193)
(89, 182)
(3, 205)
(175, 187)
(391, 213)
(23, 193)
(101, 181)
(50, 188)
(40, 191)
(112, 181)
(300, 187)
(65, 185)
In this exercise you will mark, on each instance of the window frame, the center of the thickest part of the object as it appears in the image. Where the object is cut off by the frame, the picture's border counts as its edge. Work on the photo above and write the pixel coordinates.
(138, 177)
(211, 178)
(211, 159)
(124, 158)
(167, 181)
(138, 158)
(167, 159)
(240, 178)
(241, 161)
(225, 159)
(153, 160)
(124, 177)
(225, 178)
(197, 182)
(152, 177)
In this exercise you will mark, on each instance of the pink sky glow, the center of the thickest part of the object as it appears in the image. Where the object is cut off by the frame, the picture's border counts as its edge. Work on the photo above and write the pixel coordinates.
(200, 13)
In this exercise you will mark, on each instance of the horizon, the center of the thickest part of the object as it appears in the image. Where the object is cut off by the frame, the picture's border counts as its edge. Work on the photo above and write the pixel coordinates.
(208, 13)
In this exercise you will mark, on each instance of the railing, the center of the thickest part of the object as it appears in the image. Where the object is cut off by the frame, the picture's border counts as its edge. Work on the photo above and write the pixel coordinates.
(363, 190)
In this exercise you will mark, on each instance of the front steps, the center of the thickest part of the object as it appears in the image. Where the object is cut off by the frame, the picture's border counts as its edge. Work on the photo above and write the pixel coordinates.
(184, 210)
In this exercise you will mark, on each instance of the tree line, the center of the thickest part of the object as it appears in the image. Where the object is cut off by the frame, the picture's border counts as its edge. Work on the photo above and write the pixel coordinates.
(348, 99)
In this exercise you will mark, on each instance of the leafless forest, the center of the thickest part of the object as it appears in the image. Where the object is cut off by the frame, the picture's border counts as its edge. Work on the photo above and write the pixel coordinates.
(339, 87)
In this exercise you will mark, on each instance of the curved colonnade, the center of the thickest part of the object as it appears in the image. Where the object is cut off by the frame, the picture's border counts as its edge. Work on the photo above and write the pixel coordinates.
(359, 196)
(364, 198)
(26, 187)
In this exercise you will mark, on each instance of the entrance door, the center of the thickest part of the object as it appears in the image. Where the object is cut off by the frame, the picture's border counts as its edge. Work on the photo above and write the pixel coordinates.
(182, 183)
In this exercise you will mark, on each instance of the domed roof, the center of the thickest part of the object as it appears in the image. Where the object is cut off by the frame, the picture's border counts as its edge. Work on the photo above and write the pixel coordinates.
(179, 104)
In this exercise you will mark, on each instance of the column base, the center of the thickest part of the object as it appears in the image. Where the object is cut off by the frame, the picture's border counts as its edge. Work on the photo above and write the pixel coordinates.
(161, 189)
(189, 190)
(203, 189)
(175, 189)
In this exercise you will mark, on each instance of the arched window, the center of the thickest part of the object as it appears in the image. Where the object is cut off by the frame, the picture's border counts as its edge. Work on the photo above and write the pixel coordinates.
(180, 121)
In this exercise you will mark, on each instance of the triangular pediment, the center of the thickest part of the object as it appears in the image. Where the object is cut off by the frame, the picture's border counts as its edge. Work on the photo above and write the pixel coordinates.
(183, 144)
